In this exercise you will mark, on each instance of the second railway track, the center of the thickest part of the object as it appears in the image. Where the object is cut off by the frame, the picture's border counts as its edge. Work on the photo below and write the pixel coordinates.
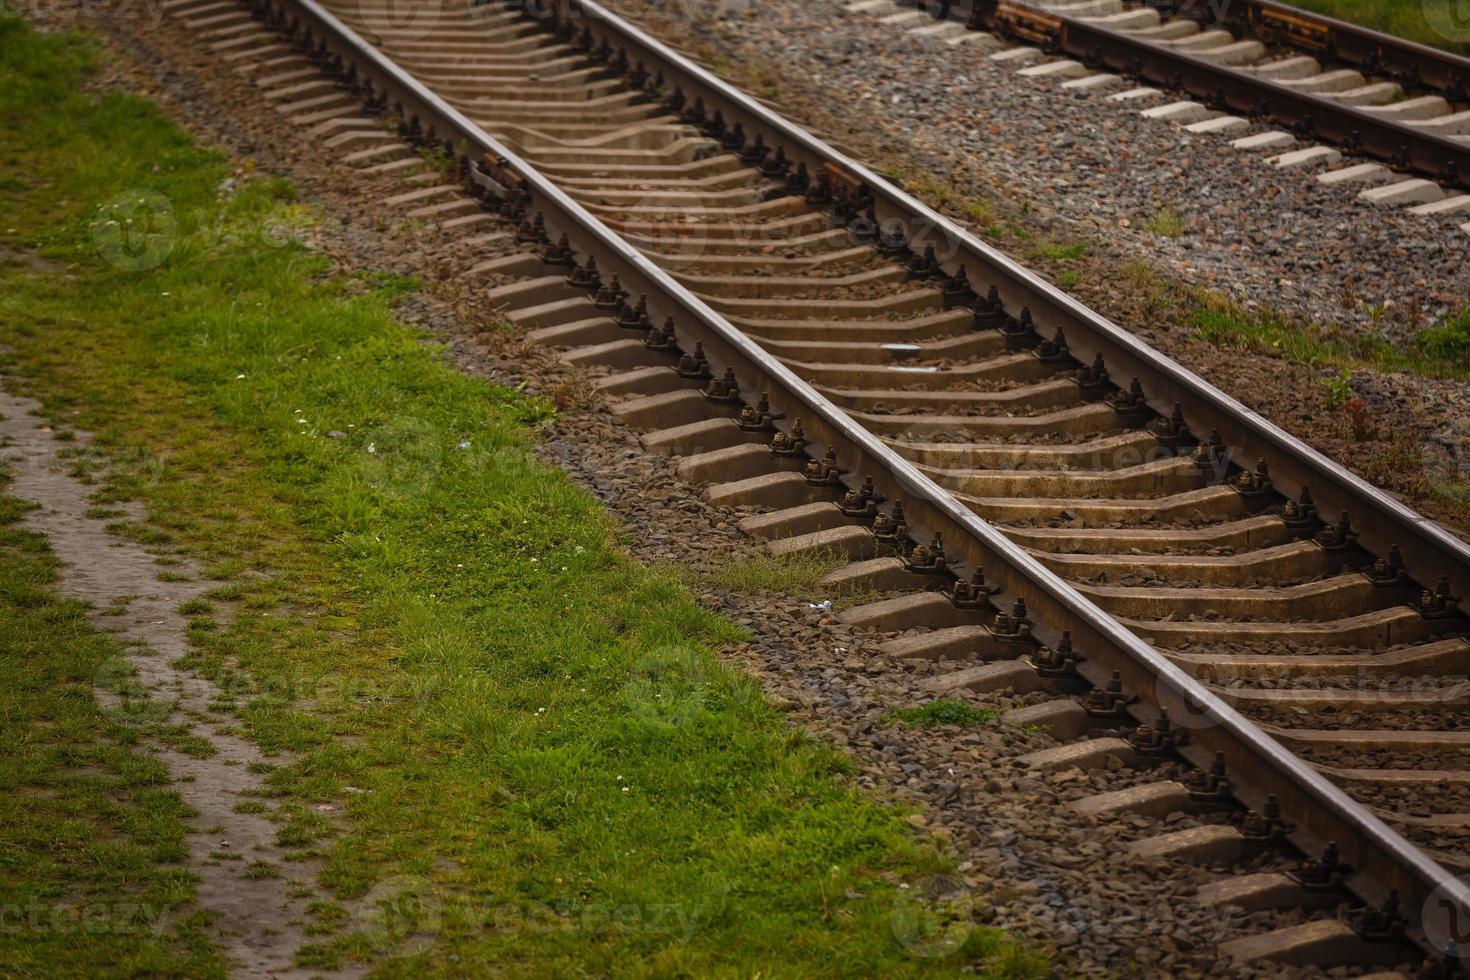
(1404, 105)
(1055, 507)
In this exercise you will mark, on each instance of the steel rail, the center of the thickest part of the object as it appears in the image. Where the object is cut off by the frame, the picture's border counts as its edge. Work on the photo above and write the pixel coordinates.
(1374, 51)
(1410, 147)
(1411, 62)
(1382, 859)
(1357, 129)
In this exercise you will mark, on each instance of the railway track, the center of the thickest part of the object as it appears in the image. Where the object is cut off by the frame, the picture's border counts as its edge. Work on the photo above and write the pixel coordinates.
(1049, 505)
(1333, 88)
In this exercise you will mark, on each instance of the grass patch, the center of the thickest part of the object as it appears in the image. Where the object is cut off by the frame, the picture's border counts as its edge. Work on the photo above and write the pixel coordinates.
(794, 575)
(1448, 341)
(944, 712)
(1069, 255)
(1227, 324)
(923, 185)
(533, 734)
(1061, 253)
(981, 211)
(1165, 222)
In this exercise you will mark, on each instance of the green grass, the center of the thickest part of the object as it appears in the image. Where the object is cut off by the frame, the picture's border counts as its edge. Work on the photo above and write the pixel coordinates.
(793, 575)
(1067, 255)
(1165, 222)
(980, 210)
(1437, 23)
(93, 879)
(1062, 252)
(1448, 342)
(943, 712)
(530, 739)
(1436, 352)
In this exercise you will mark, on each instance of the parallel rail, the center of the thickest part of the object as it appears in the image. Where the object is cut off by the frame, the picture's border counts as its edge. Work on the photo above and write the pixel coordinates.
(1417, 66)
(1382, 860)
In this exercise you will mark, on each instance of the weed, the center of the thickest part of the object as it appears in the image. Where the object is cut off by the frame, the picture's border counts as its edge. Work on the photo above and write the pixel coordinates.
(981, 211)
(924, 186)
(1058, 253)
(1357, 410)
(1339, 388)
(944, 712)
(1165, 222)
(436, 158)
(1448, 341)
(1227, 324)
(795, 575)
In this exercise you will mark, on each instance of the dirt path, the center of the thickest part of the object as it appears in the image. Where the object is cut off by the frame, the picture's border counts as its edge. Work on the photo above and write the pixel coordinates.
(257, 923)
